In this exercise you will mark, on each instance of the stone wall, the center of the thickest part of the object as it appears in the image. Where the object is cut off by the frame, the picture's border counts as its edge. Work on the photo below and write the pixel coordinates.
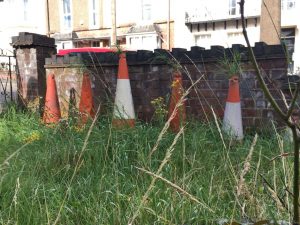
(31, 52)
(151, 77)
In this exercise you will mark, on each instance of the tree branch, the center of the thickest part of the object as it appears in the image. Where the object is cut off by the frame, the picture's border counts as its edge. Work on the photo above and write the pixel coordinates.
(258, 73)
(293, 102)
(284, 116)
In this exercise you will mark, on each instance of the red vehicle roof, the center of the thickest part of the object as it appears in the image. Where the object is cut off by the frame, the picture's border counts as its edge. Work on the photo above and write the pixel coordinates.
(78, 50)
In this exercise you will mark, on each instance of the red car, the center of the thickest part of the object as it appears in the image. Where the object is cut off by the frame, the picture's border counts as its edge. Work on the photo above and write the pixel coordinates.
(78, 50)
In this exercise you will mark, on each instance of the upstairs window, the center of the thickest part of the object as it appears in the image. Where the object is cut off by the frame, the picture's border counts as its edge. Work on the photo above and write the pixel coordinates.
(146, 10)
(233, 7)
(288, 38)
(26, 11)
(288, 4)
(67, 17)
(94, 13)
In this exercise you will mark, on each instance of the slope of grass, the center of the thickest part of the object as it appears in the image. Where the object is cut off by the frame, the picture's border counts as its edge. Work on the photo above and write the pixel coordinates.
(36, 180)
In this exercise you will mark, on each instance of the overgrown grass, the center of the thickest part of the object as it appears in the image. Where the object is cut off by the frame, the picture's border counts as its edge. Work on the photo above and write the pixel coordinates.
(108, 187)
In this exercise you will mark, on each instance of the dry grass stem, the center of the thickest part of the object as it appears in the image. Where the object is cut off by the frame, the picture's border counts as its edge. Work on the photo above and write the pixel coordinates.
(241, 183)
(78, 164)
(6, 161)
(167, 124)
(175, 186)
(218, 127)
(163, 163)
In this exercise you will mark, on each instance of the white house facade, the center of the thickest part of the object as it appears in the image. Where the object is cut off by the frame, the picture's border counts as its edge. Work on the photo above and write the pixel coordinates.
(21, 16)
(217, 22)
(139, 24)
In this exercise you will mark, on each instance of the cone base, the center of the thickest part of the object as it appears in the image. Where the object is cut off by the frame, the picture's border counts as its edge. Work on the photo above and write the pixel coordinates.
(121, 123)
(176, 127)
(51, 117)
(232, 123)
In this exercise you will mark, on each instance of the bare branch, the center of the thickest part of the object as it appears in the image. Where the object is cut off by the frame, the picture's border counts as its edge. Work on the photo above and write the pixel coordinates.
(293, 102)
(294, 127)
(258, 72)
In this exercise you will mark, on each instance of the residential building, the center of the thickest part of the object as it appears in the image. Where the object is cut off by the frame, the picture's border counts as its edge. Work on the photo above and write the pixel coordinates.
(138, 24)
(21, 16)
(151, 24)
(290, 31)
(201, 23)
(16, 16)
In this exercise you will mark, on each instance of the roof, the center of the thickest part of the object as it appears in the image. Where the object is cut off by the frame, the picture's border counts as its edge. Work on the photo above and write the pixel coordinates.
(152, 28)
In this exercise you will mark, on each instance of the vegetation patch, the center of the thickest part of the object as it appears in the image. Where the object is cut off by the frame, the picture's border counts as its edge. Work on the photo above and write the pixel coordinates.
(101, 175)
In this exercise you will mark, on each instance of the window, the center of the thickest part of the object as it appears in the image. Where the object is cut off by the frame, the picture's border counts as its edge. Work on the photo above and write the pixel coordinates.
(146, 10)
(67, 17)
(288, 38)
(235, 38)
(288, 4)
(146, 42)
(233, 7)
(235, 34)
(135, 42)
(95, 43)
(26, 13)
(94, 13)
(66, 45)
(203, 40)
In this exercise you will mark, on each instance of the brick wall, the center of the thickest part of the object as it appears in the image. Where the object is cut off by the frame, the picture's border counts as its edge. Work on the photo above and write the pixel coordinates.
(151, 77)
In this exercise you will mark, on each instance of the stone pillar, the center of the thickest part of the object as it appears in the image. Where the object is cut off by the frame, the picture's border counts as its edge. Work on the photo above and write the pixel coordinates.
(270, 22)
(31, 51)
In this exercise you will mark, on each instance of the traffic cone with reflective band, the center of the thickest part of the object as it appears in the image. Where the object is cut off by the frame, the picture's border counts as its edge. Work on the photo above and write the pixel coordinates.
(86, 104)
(123, 108)
(179, 116)
(52, 110)
(232, 123)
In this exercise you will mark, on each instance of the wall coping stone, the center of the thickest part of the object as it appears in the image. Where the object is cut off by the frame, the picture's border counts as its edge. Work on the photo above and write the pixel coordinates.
(162, 56)
(26, 39)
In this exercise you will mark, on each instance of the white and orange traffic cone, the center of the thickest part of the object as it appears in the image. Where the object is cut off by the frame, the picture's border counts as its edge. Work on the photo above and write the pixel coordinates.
(123, 114)
(52, 110)
(179, 116)
(232, 123)
(86, 104)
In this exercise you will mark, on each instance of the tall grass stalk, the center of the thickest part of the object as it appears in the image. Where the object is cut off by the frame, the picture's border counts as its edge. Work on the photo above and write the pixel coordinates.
(107, 188)
(161, 166)
(78, 164)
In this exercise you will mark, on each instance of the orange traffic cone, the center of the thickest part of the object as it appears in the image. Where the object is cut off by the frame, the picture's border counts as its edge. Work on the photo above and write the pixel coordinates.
(179, 115)
(123, 108)
(232, 123)
(86, 104)
(52, 110)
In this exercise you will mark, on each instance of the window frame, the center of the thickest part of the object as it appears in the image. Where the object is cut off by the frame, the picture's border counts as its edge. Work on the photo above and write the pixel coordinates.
(233, 5)
(65, 28)
(25, 10)
(290, 46)
(137, 41)
(285, 4)
(94, 14)
(146, 10)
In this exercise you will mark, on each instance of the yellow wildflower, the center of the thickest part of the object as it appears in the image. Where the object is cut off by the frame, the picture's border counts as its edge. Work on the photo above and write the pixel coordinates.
(34, 136)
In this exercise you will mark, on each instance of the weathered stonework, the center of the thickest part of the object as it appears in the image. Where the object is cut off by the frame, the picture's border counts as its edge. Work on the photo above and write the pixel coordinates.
(31, 52)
